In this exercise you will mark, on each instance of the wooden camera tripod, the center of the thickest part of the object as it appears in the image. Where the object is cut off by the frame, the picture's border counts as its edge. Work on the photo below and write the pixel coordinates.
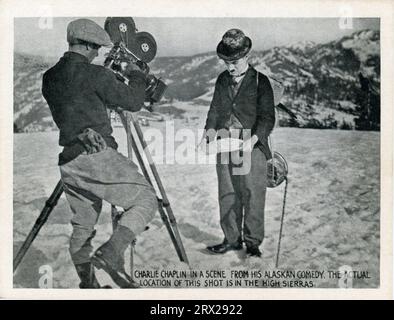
(165, 209)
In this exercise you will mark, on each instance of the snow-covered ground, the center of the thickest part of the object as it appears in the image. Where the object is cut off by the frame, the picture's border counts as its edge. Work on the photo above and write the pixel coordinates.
(332, 210)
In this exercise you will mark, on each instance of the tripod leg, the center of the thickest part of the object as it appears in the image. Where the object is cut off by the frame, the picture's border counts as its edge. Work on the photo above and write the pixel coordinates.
(42, 218)
(131, 145)
(165, 211)
(131, 141)
(174, 237)
(166, 204)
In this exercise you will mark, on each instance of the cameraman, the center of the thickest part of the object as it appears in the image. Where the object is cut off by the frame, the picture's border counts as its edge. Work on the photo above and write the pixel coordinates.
(78, 94)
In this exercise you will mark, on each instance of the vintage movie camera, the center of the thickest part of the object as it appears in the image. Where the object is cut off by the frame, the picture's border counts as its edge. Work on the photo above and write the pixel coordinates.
(131, 46)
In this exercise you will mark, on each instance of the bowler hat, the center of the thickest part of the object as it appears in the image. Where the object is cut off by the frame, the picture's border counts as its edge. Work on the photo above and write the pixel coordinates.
(88, 31)
(234, 45)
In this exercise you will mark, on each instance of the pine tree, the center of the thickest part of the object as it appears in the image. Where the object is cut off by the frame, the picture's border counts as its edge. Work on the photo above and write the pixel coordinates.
(368, 106)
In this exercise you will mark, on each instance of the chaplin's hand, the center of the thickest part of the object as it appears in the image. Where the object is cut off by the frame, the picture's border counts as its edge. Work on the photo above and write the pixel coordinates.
(203, 145)
(247, 145)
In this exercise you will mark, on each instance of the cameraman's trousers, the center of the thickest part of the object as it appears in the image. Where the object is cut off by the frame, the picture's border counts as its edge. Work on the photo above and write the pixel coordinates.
(242, 190)
(110, 176)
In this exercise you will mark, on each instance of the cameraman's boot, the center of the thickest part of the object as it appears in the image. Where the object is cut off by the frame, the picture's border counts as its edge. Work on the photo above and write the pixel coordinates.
(110, 257)
(86, 274)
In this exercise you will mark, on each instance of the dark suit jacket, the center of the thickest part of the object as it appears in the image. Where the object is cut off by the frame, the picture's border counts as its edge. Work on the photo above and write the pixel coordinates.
(252, 106)
(78, 94)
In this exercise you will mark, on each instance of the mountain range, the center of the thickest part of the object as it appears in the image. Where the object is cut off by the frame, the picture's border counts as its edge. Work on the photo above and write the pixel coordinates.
(321, 81)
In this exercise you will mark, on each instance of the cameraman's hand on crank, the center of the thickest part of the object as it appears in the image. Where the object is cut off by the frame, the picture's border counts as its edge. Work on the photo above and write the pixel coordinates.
(248, 145)
(132, 70)
(140, 68)
(92, 141)
(143, 67)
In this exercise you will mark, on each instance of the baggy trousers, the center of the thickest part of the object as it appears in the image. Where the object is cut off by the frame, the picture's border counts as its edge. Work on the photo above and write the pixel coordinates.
(242, 198)
(110, 176)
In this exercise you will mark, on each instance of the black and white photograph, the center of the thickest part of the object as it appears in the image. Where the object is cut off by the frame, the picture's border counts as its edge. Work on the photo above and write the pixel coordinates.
(197, 152)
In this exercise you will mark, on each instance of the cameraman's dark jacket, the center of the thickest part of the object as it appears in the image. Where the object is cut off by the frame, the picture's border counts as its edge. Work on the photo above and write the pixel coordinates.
(78, 93)
(252, 106)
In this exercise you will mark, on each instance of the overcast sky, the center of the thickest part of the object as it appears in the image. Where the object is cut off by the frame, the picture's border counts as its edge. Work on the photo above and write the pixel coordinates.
(188, 36)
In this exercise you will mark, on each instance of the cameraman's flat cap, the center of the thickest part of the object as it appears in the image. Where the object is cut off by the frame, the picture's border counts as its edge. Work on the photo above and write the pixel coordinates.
(89, 31)
(234, 45)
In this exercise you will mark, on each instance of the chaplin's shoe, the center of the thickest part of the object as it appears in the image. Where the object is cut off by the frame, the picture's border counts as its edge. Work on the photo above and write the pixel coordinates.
(253, 251)
(110, 257)
(86, 274)
(225, 247)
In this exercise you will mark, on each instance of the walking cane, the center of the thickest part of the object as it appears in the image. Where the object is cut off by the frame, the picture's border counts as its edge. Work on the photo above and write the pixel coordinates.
(281, 224)
(42, 218)
(277, 173)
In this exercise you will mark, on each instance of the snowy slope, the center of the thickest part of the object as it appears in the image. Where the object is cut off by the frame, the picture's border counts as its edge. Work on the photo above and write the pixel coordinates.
(332, 219)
